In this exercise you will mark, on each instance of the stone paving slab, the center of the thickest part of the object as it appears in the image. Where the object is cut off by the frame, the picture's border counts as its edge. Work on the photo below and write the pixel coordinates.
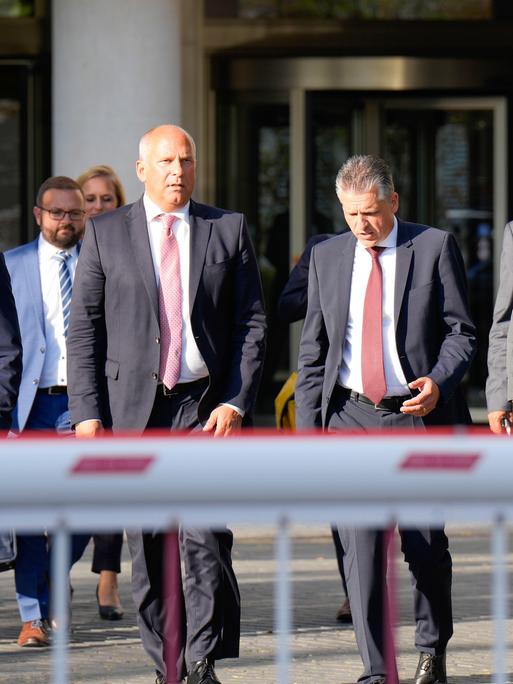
(322, 651)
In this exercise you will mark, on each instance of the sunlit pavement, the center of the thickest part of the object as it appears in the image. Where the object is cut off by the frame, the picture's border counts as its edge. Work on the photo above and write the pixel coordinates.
(322, 651)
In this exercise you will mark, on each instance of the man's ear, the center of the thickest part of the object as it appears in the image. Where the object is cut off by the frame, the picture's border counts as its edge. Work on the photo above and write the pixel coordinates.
(37, 215)
(395, 202)
(140, 169)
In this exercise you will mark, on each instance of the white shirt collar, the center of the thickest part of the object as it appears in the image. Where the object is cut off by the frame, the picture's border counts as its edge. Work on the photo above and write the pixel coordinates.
(153, 210)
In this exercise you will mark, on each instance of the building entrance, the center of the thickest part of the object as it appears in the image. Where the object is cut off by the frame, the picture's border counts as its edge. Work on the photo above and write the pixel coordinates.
(279, 156)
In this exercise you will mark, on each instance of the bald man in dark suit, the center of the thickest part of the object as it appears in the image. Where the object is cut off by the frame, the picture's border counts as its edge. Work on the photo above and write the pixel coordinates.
(168, 331)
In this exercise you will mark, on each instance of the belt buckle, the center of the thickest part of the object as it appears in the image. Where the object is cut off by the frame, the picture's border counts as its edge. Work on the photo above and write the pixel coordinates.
(51, 391)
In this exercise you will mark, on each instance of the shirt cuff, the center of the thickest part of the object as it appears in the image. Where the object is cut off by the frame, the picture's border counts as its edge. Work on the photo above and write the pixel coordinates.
(89, 420)
(235, 408)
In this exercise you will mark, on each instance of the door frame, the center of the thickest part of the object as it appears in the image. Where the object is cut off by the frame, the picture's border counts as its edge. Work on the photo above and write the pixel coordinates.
(370, 142)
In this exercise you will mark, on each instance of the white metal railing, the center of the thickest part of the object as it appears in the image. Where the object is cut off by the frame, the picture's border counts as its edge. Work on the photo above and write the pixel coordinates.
(65, 485)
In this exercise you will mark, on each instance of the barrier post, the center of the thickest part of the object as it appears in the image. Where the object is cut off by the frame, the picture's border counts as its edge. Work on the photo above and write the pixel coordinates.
(282, 603)
(60, 597)
(390, 602)
(499, 598)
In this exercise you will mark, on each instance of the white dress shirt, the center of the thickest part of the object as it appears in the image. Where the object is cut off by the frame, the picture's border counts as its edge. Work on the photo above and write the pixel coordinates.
(351, 370)
(54, 366)
(193, 367)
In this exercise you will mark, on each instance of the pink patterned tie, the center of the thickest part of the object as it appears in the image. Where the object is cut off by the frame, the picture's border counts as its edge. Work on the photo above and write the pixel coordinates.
(170, 305)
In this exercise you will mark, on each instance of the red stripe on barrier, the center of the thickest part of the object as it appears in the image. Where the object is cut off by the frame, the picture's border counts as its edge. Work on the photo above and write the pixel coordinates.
(112, 465)
(438, 461)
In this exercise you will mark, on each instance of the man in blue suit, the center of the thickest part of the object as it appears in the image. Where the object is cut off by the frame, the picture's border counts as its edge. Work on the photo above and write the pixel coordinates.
(386, 342)
(42, 273)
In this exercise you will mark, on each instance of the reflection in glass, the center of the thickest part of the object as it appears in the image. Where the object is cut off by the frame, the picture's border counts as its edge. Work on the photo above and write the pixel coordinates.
(10, 208)
(16, 8)
(330, 144)
(355, 9)
(254, 178)
(443, 165)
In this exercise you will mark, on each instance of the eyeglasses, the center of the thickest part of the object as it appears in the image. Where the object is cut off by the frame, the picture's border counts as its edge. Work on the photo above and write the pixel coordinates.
(59, 214)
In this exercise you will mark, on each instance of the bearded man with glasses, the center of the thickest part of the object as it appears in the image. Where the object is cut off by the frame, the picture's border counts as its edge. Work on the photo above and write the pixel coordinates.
(42, 273)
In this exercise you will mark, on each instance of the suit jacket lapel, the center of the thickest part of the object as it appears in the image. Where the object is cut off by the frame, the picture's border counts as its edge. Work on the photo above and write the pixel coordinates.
(138, 235)
(343, 286)
(200, 229)
(33, 278)
(404, 254)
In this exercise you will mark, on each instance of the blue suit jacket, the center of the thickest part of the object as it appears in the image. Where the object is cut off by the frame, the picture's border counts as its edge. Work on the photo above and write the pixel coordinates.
(23, 265)
(435, 335)
(10, 349)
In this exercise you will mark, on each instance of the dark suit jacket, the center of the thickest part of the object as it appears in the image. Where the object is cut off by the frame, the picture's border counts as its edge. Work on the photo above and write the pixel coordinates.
(435, 335)
(10, 349)
(293, 299)
(114, 335)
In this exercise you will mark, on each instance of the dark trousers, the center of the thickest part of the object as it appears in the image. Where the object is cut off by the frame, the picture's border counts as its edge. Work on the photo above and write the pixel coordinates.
(48, 412)
(210, 592)
(425, 551)
(107, 552)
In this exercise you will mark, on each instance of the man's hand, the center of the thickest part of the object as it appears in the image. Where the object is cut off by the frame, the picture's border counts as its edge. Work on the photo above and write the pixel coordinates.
(88, 429)
(425, 401)
(495, 420)
(224, 420)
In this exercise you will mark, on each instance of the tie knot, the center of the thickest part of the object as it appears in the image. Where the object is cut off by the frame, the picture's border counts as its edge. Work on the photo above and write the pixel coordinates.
(63, 256)
(168, 221)
(375, 251)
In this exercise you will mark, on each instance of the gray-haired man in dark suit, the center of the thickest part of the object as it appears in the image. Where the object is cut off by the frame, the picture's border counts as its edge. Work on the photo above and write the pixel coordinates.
(386, 342)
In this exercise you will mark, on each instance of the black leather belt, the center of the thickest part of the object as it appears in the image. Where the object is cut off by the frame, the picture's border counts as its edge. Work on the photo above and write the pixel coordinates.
(386, 404)
(54, 389)
(182, 387)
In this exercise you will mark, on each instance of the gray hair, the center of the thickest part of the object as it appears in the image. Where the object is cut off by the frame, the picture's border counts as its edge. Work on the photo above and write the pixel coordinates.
(144, 142)
(362, 173)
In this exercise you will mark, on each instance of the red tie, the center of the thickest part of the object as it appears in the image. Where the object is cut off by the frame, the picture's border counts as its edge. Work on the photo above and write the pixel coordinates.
(373, 370)
(170, 305)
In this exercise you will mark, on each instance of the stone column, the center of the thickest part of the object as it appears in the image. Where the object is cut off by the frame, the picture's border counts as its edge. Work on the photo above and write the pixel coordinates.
(116, 73)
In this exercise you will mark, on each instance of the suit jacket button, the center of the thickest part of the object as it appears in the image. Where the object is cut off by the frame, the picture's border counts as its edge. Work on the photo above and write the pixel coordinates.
(36, 381)
(157, 340)
(42, 350)
(155, 376)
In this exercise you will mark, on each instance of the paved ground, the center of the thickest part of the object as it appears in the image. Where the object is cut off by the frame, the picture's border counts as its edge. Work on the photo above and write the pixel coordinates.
(323, 651)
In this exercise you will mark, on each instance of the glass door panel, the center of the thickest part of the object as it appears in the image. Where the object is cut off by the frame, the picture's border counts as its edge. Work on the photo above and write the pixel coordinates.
(10, 173)
(334, 123)
(443, 165)
(253, 177)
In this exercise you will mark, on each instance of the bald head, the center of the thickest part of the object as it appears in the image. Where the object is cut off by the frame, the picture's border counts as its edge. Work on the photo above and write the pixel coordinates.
(167, 166)
(166, 129)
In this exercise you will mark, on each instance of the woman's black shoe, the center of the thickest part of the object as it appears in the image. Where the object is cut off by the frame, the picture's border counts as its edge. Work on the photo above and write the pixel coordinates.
(109, 612)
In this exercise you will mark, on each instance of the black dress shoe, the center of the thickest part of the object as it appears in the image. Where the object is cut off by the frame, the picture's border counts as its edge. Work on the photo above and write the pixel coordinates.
(203, 673)
(431, 669)
(160, 679)
(344, 613)
(109, 612)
